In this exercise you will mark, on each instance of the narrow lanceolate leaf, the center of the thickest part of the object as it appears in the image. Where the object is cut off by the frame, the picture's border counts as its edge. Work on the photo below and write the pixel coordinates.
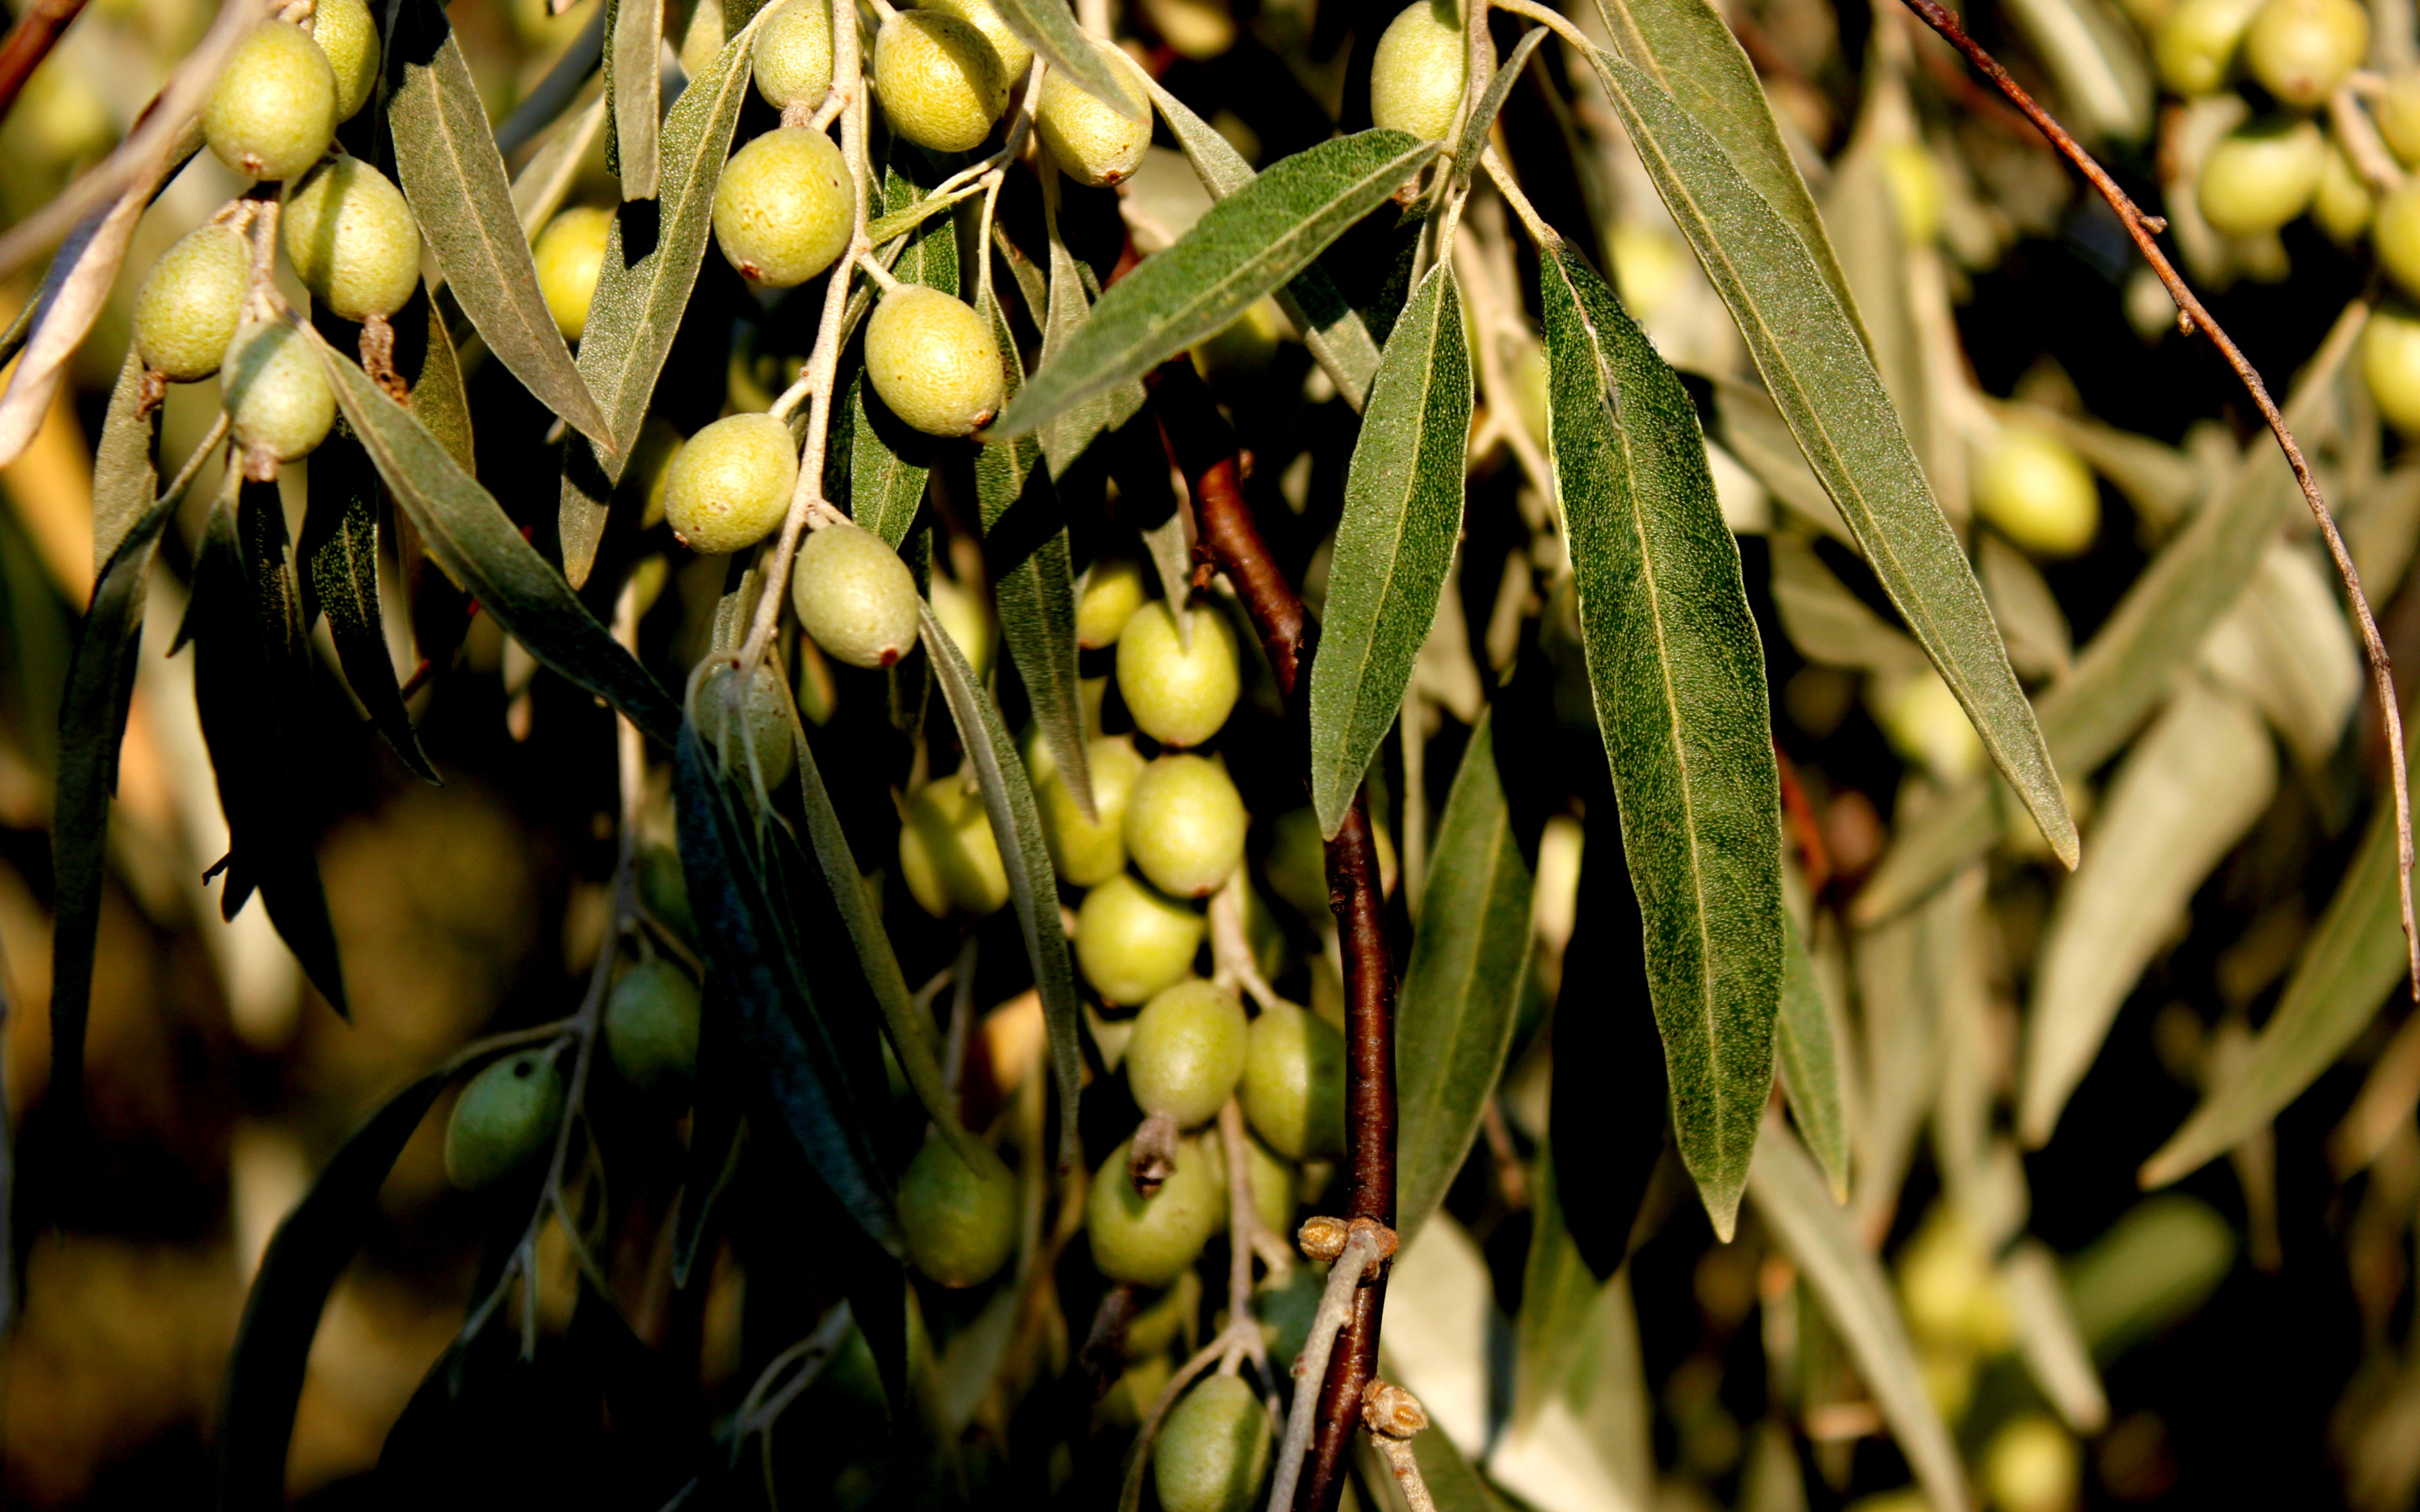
(1067, 307)
(1679, 683)
(479, 545)
(1475, 126)
(638, 93)
(539, 188)
(71, 296)
(340, 566)
(2191, 788)
(1805, 344)
(124, 476)
(1453, 1014)
(1050, 28)
(1016, 824)
(1403, 512)
(1247, 244)
(1809, 1060)
(1820, 1236)
(449, 169)
(2353, 962)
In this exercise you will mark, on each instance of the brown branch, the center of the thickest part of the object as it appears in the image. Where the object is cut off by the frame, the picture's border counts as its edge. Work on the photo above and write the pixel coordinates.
(28, 42)
(1206, 452)
(2191, 316)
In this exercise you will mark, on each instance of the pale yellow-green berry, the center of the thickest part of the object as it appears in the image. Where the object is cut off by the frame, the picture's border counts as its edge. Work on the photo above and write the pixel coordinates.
(1013, 51)
(2037, 491)
(2342, 205)
(943, 85)
(855, 596)
(570, 254)
(272, 111)
(276, 393)
(346, 32)
(934, 360)
(1112, 592)
(2033, 1465)
(1298, 863)
(1926, 724)
(1133, 942)
(762, 721)
(2395, 234)
(1092, 142)
(186, 311)
(794, 55)
(1185, 826)
(2390, 365)
(730, 487)
(1186, 1052)
(1239, 352)
(505, 1122)
(1417, 74)
(1913, 180)
(651, 1022)
(2397, 112)
(1085, 854)
(960, 1220)
(1151, 1240)
(1949, 1290)
(2301, 50)
(965, 613)
(352, 239)
(1294, 1082)
(783, 208)
(2261, 175)
(948, 855)
(1178, 697)
(1214, 1452)
(2196, 45)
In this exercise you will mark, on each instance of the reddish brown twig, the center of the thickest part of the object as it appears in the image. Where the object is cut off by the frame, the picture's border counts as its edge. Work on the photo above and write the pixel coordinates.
(1206, 452)
(2191, 316)
(28, 42)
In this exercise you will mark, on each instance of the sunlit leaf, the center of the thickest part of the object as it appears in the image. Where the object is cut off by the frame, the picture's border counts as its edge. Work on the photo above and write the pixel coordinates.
(636, 83)
(124, 475)
(1050, 28)
(2048, 1338)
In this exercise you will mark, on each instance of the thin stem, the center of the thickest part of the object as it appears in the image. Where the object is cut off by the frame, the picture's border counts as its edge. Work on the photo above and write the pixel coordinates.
(2359, 135)
(2193, 315)
(1511, 192)
(1243, 1233)
(1362, 1257)
(962, 1013)
(30, 41)
(1202, 1359)
(873, 268)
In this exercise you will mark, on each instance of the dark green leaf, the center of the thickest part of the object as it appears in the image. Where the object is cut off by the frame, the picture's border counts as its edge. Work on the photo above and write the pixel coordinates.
(638, 93)
(1394, 545)
(1069, 305)
(124, 475)
(340, 567)
(1475, 126)
(1557, 1292)
(1050, 28)
(1678, 676)
(1809, 1060)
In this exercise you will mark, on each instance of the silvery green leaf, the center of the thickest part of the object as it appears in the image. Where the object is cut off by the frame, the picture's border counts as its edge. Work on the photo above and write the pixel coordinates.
(2040, 642)
(1809, 1062)
(2048, 1338)
(2097, 62)
(539, 188)
(1050, 28)
(1827, 623)
(638, 93)
(2288, 648)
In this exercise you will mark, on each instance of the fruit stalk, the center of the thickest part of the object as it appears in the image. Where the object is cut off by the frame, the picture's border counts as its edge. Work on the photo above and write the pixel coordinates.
(1230, 541)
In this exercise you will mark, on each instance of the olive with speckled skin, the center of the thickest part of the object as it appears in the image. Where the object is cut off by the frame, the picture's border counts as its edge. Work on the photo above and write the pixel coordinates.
(1294, 1082)
(1151, 1240)
(191, 302)
(346, 34)
(2261, 175)
(1417, 72)
(651, 1022)
(730, 485)
(276, 395)
(570, 254)
(960, 1220)
(1178, 697)
(934, 360)
(2301, 50)
(1213, 1451)
(1186, 1052)
(272, 111)
(1091, 142)
(948, 855)
(1185, 826)
(855, 596)
(1112, 593)
(352, 239)
(1013, 51)
(783, 208)
(505, 1122)
(1085, 851)
(793, 55)
(941, 84)
(2390, 365)
(1132, 941)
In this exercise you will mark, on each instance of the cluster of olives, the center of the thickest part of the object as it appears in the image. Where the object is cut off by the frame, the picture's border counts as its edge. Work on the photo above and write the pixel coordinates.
(273, 115)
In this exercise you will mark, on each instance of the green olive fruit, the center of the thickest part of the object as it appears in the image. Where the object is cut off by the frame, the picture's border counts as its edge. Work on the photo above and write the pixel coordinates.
(2261, 175)
(347, 34)
(2395, 234)
(1151, 1240)
(794, 55)
(729, 487)
(570, 254)
(1085, 853)
(1417, 72)
(1013, 51)
(2032, 1465)
(1186, 1052)
(1133, 941)
(1214, 1450)
(1185, 826)
(2390, 364)
(1178, 697)
(2195, 47)
(1926, 724)
(948, 854)
(651, 1029)
(1093, 141)
(1294, 1082)
(504, 1121)
(1949, 1288)
(960, 1220)
(664, 889)
(1913, 180)
(1196, 29)
(2037, 491)
(1156, 1328)
(272, 111)
(762, 720)
(784, 209)
(276, 394)
(1240, 352)
(943, 85)
(1112, 593)
(965, 613)
(2301, 50)
(1298, 864)
(2398, 114)
(855, 596)
(352, 239)
(934, 360)
(2342, 205)
(186, 312)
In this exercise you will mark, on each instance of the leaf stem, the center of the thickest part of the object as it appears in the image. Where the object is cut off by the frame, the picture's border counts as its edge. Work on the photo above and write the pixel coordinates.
(1364, 1255)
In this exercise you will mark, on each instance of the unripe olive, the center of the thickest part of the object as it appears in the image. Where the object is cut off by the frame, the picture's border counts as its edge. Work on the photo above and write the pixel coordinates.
(730, 487)
(1214, 1450)
(276, 395)
(2398, 113)
(504, 1121)
(933, 359)
(948, 855)
(794, 55)
(272, 111)
(2395, 234)
(1013, 51)
(1913, 180)
(1084, 853)
(1417, 72)
(2342, 205)
(664, 889)
(965, 613)
(2196, 45)
(2036, 490)
(1298, 863)
(1925, 723)
(1092, 142)
(352, 239)
(1177, 696)
(855, 595)
(1186, 1052)
(2032, 1465)
(1185, 826)
(1133, 941)
(1273, 1181)
(1294, 1082)
(1151, 1240)
(783, 208)
(943, 85)
(186, 312)
(2261, 175)
(1240, 352)
(651, 1020)
(345, 33)
(1949, 1290)
(960, 1220)
(2390, 364)
(1156, 1328)
(2301, 50)
(570, 254)
(1112, 593)
(762, 720)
